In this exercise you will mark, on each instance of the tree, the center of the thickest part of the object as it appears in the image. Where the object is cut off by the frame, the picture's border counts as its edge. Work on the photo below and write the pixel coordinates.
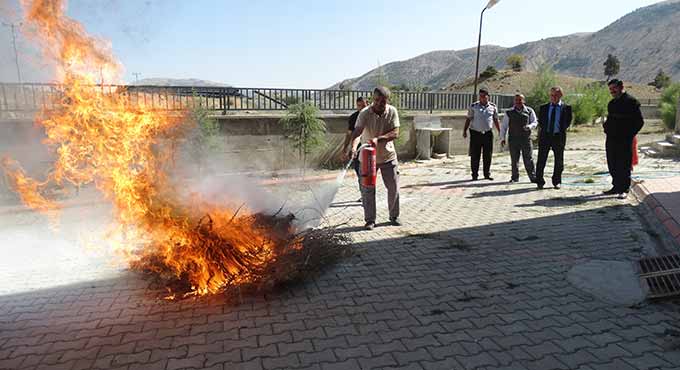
(611, 66)
(516, 62)
(304, 128)
(661, 81)
(539, 94)
(669, 105)
(489, 72)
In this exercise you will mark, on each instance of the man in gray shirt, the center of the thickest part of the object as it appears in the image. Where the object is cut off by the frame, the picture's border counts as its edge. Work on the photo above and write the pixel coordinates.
(481, 118)
(517, 125)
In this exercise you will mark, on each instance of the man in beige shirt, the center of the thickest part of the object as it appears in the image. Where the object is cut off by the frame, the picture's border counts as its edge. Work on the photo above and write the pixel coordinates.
(379, 123)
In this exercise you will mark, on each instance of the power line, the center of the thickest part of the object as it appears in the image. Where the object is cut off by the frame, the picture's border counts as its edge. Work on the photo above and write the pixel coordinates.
(136, 74)
(13, 27)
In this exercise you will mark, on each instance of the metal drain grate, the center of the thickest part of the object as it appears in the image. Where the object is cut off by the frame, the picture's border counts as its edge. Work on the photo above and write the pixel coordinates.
(661, 275)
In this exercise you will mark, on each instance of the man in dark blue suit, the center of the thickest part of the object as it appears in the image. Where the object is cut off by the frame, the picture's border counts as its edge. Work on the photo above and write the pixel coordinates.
(554, 119)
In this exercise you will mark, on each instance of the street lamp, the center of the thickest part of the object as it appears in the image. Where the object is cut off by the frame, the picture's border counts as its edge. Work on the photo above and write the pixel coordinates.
(479, 43)
(13, 27)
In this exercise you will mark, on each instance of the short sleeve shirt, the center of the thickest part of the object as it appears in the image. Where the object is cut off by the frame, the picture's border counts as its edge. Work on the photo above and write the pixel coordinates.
(375, 125)
(482, 117)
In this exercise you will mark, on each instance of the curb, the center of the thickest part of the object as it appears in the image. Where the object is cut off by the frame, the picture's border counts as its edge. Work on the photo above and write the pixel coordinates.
(661, 214)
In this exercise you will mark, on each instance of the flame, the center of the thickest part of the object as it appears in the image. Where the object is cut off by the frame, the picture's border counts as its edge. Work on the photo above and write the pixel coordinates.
(101, 138)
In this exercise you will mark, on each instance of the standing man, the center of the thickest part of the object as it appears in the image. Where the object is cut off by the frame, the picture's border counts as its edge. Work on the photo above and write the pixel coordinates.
(346, 148)
(624, 121)
(481, 118)
(518, 123)
(379, 123)
(554, 119)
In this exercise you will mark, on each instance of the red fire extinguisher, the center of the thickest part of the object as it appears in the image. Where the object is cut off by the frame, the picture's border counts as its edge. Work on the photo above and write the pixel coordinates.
(368, 170)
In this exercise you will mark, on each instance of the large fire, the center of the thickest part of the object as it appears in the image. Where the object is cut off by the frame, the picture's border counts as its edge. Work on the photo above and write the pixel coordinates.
(101, 138)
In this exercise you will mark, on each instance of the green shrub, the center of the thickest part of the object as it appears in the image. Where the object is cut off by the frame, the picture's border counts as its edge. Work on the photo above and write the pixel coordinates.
(669, 105)
(588, 103)
(489, 72)
(304, 128)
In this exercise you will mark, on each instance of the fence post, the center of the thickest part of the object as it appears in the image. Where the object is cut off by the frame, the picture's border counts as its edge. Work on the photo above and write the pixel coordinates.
(223, 95)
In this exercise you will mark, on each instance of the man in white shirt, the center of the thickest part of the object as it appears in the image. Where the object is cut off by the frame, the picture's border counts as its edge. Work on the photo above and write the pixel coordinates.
(481, 118)
(379, 123)
(517, 125)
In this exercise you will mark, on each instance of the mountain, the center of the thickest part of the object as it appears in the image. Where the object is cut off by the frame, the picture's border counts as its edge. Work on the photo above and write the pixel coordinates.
(645, 41)
(177, 82)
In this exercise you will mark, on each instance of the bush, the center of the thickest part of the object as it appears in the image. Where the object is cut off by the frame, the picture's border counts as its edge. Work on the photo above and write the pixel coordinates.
(588, 103)
(669, 105)
(489, 72)
(304, 128)
(661, 81)
(539, 94)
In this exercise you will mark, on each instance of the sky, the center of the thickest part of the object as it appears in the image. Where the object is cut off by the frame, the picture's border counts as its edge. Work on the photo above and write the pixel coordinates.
(304, 43)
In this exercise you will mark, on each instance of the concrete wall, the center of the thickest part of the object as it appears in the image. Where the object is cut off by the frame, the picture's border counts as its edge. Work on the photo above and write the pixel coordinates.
(257, 142)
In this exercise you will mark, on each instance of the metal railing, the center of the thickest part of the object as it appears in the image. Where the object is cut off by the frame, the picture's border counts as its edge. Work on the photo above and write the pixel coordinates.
(32, 97)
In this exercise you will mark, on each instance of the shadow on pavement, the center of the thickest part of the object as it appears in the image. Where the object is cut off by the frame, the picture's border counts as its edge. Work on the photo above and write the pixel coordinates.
(565, 201)
(502, 193)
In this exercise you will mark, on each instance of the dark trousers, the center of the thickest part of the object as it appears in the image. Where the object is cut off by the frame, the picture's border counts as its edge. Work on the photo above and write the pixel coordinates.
(481, 144)
(521, 145)
(546, 143)
(619, 161)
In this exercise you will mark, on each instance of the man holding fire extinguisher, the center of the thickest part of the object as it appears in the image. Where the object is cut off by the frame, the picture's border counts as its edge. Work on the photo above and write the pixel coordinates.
(378, 126)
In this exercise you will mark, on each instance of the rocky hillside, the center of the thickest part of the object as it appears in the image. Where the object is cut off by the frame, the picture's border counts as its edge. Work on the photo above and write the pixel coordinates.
(509, 82)
(645, 41)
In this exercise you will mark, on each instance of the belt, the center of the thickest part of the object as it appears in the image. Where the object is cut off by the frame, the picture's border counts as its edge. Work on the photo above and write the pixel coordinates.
(481, 132)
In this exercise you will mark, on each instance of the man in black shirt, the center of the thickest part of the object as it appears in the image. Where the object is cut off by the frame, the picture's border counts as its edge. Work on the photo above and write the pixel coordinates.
(624, 121)
(347, 144)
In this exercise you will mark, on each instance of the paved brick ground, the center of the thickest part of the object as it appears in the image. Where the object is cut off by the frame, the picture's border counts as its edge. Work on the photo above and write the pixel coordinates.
(474, 279)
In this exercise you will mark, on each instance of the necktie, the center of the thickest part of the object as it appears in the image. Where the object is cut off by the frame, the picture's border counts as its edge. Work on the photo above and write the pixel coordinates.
(553, 115)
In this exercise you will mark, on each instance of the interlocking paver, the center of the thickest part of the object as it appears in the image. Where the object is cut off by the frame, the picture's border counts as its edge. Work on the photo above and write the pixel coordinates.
(411, 298)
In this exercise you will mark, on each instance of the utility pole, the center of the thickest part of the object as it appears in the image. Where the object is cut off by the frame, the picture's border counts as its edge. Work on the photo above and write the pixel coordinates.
(136, 74)
(479, 44)
(13, 27)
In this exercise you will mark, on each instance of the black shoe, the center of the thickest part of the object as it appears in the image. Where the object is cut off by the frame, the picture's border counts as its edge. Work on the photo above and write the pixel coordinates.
(512, 181)
(488, 178)
(359, 200)
(395, 222)
(557, 186)
(539, 186)
(369, 226)
(611, 191)
(474, 178)
(533, 181)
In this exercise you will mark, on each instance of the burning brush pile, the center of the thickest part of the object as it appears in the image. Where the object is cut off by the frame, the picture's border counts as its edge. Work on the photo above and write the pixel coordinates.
(125, 150)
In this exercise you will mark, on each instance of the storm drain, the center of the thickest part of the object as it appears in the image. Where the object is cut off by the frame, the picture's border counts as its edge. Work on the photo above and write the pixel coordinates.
(661, 275)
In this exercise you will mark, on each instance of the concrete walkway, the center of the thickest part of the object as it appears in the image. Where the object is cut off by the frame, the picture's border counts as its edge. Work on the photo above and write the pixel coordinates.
(476, 278)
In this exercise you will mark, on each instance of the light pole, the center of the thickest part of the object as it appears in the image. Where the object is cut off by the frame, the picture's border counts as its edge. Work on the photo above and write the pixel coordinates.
(13, 26)
(479, 42)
